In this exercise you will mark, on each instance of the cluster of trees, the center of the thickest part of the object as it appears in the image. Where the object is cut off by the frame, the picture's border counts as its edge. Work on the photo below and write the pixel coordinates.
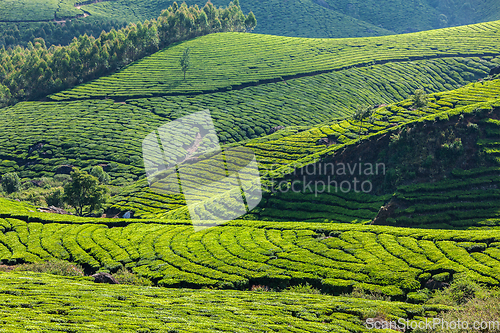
(36, 71)
(13, 34)
(85, 192)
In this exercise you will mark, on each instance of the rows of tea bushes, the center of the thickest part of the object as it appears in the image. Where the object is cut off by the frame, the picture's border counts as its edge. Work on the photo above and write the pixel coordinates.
(322, 97)
(332, 257)
(33, 301)
(332, 206)
(286, 147)
(87, 133)
(467, 198)
(38, 138)
(283, 151)
(222, 61)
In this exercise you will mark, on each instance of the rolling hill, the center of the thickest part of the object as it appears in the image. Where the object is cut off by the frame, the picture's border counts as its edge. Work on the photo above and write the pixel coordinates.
(295, 18)
(424, 105)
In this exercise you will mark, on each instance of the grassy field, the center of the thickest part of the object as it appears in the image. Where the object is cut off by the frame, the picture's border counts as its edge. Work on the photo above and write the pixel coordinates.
(250, 59)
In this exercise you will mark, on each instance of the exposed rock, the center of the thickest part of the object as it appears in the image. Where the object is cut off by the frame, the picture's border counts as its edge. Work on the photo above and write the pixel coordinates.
(385, 212)
(37, 183)
(53, 209)
(102, 277)
(276, 129)
(433, 284)
(322, 141)
(326, 141)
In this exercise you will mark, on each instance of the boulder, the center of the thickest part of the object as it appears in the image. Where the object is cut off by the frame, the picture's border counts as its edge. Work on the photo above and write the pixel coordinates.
(276, 129)
(34, 148)
(322, 141)
(102, 277)
(53, 210)
(433, 284)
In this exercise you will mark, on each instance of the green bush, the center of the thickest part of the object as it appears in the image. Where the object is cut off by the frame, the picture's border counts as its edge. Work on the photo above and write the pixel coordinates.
(55, 198)
(100, 174)
(11, 183)
(124, 276)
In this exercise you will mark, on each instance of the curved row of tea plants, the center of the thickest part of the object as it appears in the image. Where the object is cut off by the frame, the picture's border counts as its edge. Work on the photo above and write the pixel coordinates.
(33, 301)
(286, 147)
(97, 126)
(332, 257)
(224, 60)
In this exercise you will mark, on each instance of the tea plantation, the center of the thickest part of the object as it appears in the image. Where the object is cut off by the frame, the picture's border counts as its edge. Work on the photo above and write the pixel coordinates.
(281, 153)
(91, 132)
(423, 105)
(392, 261)
(38, 10)
(30, 303)
(250, 59)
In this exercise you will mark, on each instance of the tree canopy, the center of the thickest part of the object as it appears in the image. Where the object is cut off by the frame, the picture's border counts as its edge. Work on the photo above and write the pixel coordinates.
(84, 193)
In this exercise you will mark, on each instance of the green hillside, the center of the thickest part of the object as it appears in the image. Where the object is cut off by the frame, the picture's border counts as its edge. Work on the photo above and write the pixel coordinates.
(85, 133)
(295, 18)
(287, 151)
(198, 238)
(231, 60)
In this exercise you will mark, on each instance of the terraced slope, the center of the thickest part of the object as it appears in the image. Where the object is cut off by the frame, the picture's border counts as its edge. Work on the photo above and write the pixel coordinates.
(394, 261)
(80, 305)
(87, 133)
(252, 59)
(408, 16)
(289, 149)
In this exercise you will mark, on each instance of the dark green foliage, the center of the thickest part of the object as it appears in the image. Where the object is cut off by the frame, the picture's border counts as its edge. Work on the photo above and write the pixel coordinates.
(11, 182)
(250, 22)
(84, 193)
(420, 98)
(22, 33)
(56, 198)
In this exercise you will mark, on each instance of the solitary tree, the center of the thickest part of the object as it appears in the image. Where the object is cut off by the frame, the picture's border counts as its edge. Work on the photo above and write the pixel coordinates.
(362, 112)
(84, 193)
(185, 61)
(420, 98)
(11, 183)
